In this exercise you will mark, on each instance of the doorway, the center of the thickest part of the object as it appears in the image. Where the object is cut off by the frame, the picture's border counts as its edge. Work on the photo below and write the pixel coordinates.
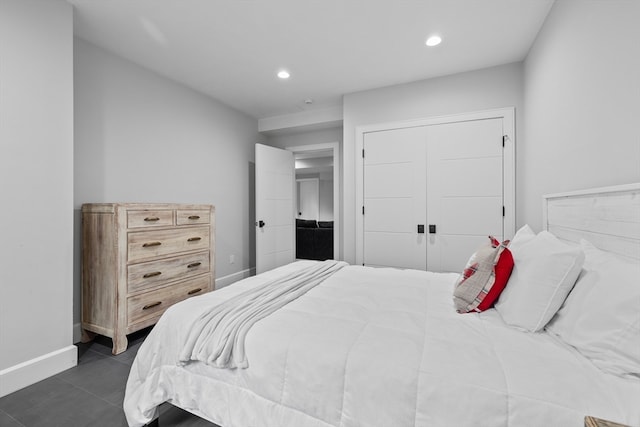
(275, 188)
(317, 167)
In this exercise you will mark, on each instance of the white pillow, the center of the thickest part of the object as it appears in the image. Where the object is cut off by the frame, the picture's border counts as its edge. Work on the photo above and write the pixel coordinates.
(545, 269)
(601, 316)
(523, 236)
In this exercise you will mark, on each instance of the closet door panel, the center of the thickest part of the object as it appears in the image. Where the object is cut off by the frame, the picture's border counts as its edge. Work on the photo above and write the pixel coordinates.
(390, 180)
(464, 190)
(393, 250)
(456, 251)
(473, 139)
(486, 215)
(390, 215)
(401, 140)
(464, 177)
(394, 198)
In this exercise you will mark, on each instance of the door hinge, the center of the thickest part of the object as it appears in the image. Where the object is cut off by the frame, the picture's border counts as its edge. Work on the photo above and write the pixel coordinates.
(503, 211)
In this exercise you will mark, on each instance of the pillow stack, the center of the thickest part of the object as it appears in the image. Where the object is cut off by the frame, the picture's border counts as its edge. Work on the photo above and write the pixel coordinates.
(588, 298)
(528, 279)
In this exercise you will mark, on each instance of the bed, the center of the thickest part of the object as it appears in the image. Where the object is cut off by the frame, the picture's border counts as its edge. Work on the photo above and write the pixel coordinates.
(385, 347)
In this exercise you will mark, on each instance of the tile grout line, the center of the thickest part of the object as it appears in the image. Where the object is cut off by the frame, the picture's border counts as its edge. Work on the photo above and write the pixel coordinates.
(88, 392)
(112, 358)
(12, 417)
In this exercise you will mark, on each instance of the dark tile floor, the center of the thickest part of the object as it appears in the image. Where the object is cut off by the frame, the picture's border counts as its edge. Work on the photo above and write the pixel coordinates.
(89, 394)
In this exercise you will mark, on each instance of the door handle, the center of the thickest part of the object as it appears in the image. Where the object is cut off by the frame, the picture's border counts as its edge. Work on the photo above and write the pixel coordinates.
(260, 224)
(420, 228)
(432, 229)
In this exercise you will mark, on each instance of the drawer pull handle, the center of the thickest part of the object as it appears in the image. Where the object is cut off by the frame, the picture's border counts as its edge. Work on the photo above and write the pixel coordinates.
(194, 264)
(150, 244)
(194, 291)
(155, 304)
(194, 239)
(154, 274)
(152, 219)
(194, 217)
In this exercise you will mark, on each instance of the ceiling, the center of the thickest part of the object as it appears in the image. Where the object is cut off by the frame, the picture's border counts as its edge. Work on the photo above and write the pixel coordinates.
(323, 163)
(232, 49)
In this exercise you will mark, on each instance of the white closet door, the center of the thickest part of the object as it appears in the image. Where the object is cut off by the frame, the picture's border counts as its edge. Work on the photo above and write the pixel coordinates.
(394, 198)
(464, 190)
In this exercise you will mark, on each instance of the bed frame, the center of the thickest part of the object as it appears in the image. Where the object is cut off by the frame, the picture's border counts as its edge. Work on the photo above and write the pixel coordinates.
(608, 217)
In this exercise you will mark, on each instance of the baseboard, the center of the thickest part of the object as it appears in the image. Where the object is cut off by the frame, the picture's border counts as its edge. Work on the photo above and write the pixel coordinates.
(221, 282)
(30, 372)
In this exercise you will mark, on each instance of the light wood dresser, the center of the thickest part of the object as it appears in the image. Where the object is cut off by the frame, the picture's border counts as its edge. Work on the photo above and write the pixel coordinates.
(597, 422)
(139, 259)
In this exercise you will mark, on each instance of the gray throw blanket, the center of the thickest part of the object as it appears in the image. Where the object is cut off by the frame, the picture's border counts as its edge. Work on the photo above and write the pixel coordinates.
(217, 337)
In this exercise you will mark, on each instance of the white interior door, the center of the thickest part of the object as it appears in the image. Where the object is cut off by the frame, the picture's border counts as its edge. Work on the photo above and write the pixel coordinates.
(394, 198)
(309, 198)
(464, 190)
(275, 186)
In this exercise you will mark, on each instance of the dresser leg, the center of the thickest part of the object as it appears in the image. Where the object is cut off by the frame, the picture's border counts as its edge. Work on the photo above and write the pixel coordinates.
(120, 344)
(87, 336)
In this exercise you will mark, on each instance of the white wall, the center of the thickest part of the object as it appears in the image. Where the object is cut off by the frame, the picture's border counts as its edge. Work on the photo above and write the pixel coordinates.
(326, 197)
(582, 102)
(486, 89)
(36, 177)
(143, 138)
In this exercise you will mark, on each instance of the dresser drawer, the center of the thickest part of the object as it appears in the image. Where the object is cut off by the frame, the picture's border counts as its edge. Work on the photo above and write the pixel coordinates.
(187, 217)
(145, 245)
(150, 305)
(149, 218)
(149, 275)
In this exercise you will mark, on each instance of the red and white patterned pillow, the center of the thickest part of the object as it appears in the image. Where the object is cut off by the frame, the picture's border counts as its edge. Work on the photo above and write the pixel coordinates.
(484, 277)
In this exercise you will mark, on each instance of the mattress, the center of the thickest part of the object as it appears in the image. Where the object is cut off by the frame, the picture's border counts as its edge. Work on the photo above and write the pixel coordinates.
(376, 347)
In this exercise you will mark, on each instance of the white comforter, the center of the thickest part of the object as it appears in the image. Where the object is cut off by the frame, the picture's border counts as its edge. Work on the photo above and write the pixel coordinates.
(376, 347)
(217, 337)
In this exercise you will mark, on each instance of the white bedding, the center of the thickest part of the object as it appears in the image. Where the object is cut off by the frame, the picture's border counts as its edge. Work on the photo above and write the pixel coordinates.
(376, 347)
(217, 337)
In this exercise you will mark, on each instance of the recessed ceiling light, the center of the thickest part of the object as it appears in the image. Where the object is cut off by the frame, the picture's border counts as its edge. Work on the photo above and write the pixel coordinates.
(433, 41)
(283, 74)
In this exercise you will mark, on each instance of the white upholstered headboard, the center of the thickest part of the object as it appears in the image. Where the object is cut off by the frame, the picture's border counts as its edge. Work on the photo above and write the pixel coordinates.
(607, 217)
